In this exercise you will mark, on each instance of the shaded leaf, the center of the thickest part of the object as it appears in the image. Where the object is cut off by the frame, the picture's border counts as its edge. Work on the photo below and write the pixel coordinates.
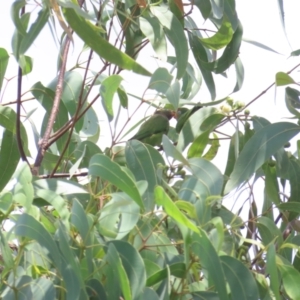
(258, 149)
(143, 160)
(100, 165)
(176, 36)
(241, 282)
(9, 157)
(160, 80)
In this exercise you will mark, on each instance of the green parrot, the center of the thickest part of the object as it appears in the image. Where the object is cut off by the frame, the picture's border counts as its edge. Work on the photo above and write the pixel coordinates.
(152, 130)
(183, 115)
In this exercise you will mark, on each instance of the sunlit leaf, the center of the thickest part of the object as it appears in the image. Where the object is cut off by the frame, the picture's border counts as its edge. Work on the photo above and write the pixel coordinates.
(282, 78)
(221, 38)
(161, 198)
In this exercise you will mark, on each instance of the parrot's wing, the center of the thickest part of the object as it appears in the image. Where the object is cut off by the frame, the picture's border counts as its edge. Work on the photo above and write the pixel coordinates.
(155, 125)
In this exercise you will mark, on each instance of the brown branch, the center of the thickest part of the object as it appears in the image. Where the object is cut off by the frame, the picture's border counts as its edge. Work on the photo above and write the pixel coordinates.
(43, 144)
(264, 91)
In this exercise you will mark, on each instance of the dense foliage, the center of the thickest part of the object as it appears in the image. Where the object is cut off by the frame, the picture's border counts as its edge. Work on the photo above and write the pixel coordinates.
(138, 213)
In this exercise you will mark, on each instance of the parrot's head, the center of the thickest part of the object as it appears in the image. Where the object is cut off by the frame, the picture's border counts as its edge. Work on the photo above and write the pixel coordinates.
(165, 112)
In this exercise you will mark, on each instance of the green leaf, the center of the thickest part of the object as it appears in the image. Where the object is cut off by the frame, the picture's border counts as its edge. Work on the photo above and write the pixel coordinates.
(272, 271)
(173, 94)
(122, 97)
(29, 227)
(80, 221)
(58, 202)
(6, 202)
(259, 45)
(15, 13)
(160, 80)
(292, 101)
(201, 59)
(202, 246)
(207, 173)
(239, 69)
(229, 55)
(162, 198)
(133, 265)
(152, 30)
(6, 252)
(176, 36)
(25, 63)
(43, 289)
(119, 216)
(46, 96)
(204, 7)
(258, 149)
(142, 160)
(23, 189)
(205, 119)
(9, 157)
(34, 30)
(290, 278)
(4, 58)
(295, 53)
(241, 282)
(221, 38)
(100, 165)
(268, 231)
(8, 121)
(282, 78)
(90, 35)
(108, 89)
(172, 151)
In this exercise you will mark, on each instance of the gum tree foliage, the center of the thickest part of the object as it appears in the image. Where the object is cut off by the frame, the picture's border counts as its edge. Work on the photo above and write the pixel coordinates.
(117, 218)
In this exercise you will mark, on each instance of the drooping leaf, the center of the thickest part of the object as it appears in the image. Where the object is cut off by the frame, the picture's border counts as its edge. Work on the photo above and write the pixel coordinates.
(201, 246)
(108, 89)
(229, 55)
(153, 30)
(204, 7)
(133, 265)
(258, 149)
(4, 58)
(241, 281)
(201, 59)
(161, 198)
(100, 165)
(90, 35)
(34, 30)
(160, 80)
(272, 270)
(9, 157)
(142, 160)
(221, 38)
(205, 119)
(176, 36)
